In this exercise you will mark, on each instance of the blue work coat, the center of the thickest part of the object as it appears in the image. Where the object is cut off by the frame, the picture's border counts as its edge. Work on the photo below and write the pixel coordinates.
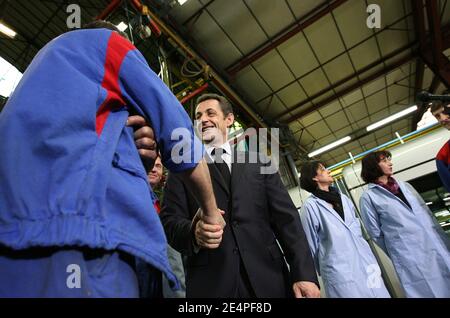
(411, 236)
(341, 255)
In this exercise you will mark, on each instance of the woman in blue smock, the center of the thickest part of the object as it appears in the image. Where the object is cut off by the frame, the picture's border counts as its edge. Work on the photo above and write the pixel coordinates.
(341, 255)
(400, 222)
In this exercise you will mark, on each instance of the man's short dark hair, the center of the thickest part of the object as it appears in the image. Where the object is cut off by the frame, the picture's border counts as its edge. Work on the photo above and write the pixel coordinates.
(224, 104)
(436, 105)
(307, 172)
(102, 24)
(371, 171)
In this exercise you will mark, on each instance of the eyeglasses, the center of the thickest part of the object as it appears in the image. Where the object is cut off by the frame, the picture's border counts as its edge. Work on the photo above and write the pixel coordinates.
(322, 168)
(386, 159)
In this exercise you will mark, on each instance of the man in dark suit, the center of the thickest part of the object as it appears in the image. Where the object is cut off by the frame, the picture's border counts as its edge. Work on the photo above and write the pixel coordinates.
(243, 259)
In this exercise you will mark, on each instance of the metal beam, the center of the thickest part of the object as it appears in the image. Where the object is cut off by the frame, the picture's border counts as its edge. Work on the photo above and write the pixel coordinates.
(31, 40)
(112, 6)
(346, 79)
(3, 6)
(351, 88)
(419, 21)
(194, 93)
(345, 52)
(283, 36)
(197, 13)
(435, 59)
(446, 44)
(420, 68)
(434, 84)
(419, 27)
(434, 24)
(213, 75)
(443, 72)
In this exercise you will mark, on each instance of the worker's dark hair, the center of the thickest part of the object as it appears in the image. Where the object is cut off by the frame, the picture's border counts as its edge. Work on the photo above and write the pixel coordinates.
(101, 24)
(307, 172)
(436, 105)
(371, 171)
(224, 104)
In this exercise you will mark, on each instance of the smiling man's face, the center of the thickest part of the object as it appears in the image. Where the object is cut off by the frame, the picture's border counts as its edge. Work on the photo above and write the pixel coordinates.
(212, 124)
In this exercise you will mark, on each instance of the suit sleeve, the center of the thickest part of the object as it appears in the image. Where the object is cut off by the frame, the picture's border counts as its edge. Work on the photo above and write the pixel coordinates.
(151, 98)
(371, 221)
(175, 215)
(311, 227)
(289, 232)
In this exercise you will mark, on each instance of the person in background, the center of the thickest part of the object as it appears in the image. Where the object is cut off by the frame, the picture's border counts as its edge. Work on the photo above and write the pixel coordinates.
(162, 287)
(156, 179)
(399, 221)
(342, 256)
(74, 199)
(244, 259)
(442, 113)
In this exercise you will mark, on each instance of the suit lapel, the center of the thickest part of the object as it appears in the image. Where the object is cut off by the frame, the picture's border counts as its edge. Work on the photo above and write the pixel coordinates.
(237, 167)
(215, 174)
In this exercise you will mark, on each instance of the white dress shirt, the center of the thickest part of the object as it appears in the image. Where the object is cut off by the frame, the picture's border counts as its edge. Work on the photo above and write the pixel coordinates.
(226, 156)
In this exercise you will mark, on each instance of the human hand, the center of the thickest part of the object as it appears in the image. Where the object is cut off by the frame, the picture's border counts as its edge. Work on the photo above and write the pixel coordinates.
(208, 230)
(214, 218)
(305, 289)
(144, 138)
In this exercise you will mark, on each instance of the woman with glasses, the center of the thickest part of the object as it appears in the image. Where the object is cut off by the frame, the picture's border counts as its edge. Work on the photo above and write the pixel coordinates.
(400, 222)
(342, 257)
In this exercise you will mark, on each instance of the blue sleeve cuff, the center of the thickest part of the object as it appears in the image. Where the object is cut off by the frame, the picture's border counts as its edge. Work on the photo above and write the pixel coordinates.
(186, 153)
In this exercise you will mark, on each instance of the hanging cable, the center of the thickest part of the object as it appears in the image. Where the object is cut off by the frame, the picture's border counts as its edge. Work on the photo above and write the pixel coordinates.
(186, 71)
(130, 28)
(164, 72)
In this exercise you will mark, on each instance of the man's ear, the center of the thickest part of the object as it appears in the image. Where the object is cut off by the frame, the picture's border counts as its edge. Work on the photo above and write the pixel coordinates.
(315, 179)
(229, 119)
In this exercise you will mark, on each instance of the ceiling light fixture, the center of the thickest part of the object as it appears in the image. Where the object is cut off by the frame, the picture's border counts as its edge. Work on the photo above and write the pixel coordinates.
(122, 26)
(329, 146)
(392, 118)
(181, 2)
(8, 31)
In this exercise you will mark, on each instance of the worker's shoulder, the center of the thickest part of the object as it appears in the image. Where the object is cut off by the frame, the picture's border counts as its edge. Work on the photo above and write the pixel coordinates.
(79, 34)
(367, 194)
(101, 38)
(310, 202)
(309, 208)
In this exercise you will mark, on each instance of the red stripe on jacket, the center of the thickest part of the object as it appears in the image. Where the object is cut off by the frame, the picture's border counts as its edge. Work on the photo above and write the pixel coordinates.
(157, 206)
(444, 153)
(117, 49)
